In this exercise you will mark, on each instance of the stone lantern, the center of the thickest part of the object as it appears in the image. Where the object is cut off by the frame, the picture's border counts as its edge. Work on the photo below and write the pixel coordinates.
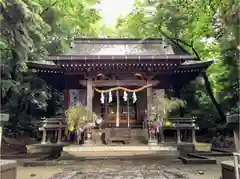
(8, 168)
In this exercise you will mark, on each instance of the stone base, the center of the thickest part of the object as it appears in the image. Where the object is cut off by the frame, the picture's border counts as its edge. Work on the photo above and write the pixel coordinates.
(202, 147)
(100, 152)
(228, 170)
(152, 142)
(51, 149)
(185, 147)
(138, 136)
(8, 169)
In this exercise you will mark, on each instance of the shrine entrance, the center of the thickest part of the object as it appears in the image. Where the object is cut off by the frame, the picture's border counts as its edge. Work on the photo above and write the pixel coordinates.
(121, 109)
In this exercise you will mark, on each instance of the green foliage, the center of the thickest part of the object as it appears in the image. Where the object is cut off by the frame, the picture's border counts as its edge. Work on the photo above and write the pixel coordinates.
(77, 116)
(212, 28)
(163, 107)
(31, 30)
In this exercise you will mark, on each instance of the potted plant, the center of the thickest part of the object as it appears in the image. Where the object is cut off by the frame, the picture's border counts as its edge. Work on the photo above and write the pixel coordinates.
(161, 109)
(79, 119)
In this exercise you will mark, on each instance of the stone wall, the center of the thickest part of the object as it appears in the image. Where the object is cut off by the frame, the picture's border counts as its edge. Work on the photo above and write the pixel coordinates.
(8, 169)
(228, 171)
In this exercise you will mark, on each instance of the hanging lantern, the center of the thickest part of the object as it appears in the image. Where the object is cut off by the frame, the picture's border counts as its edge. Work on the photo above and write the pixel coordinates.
(125, 96)
(110, 97)
(102, 98)
(134, 97)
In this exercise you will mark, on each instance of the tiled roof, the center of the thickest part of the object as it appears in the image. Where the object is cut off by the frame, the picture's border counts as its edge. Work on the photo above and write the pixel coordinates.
(101, 46)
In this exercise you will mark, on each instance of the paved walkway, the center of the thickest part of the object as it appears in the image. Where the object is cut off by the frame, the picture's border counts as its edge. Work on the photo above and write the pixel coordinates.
(120, 169)
(123, 169)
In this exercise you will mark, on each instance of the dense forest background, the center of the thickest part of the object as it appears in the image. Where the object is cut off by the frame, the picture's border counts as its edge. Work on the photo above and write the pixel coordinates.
(33, 29)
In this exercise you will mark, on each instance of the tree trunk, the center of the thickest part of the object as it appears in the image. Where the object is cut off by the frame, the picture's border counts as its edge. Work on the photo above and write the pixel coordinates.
(211, 95)
(176, 41)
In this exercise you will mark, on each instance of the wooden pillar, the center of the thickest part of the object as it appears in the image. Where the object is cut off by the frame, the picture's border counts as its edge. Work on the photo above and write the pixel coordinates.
(89, 94)
(149, 110)
(66, 95)
(149, 103)
(128, 111)
(118, 111)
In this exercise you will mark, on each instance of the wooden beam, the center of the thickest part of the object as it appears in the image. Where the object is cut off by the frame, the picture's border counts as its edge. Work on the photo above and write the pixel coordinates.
(101, 83)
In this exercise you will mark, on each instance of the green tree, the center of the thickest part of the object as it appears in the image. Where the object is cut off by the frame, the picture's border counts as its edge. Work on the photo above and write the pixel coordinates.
(206, 27)
(32, 29)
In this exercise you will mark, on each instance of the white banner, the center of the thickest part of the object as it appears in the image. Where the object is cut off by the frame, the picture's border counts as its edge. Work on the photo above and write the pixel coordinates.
(76, 96)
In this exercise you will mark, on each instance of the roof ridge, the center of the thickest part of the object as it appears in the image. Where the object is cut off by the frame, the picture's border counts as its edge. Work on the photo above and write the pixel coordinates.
(116, 39)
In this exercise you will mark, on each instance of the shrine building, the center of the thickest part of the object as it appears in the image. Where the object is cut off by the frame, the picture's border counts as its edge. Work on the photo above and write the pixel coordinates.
(117, 78)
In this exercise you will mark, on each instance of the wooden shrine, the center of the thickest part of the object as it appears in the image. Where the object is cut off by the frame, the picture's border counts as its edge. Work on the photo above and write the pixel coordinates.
(117, 78)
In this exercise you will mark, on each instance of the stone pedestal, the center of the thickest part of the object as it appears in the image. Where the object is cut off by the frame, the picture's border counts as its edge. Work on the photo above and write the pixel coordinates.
(228, 170)
(233, 123)
(231, 169)
(3, 118)
(8, 168)
(89, 140)
(152, 142)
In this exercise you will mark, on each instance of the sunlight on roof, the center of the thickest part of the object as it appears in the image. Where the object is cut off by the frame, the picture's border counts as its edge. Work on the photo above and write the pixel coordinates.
(117, 50)
(111, 9)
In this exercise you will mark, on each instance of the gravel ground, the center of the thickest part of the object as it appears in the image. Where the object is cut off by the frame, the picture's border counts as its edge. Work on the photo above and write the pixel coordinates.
(125, 169)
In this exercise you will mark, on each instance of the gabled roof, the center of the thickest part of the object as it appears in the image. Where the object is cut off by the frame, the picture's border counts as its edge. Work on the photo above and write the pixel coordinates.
(119, 46)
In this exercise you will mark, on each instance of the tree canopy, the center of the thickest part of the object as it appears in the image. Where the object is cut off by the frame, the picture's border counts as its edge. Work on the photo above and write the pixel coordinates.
(31, 30)
(206, 29)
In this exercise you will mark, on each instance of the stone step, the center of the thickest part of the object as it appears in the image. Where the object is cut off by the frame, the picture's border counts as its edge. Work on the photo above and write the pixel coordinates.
(105, 148)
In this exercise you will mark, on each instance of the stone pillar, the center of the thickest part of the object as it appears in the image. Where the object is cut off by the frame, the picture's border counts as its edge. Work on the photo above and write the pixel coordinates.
(8, 168)
(193, 136)
(3, 118)
(237, 139)
(178, 136)
(59, 136)
(44, 136)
